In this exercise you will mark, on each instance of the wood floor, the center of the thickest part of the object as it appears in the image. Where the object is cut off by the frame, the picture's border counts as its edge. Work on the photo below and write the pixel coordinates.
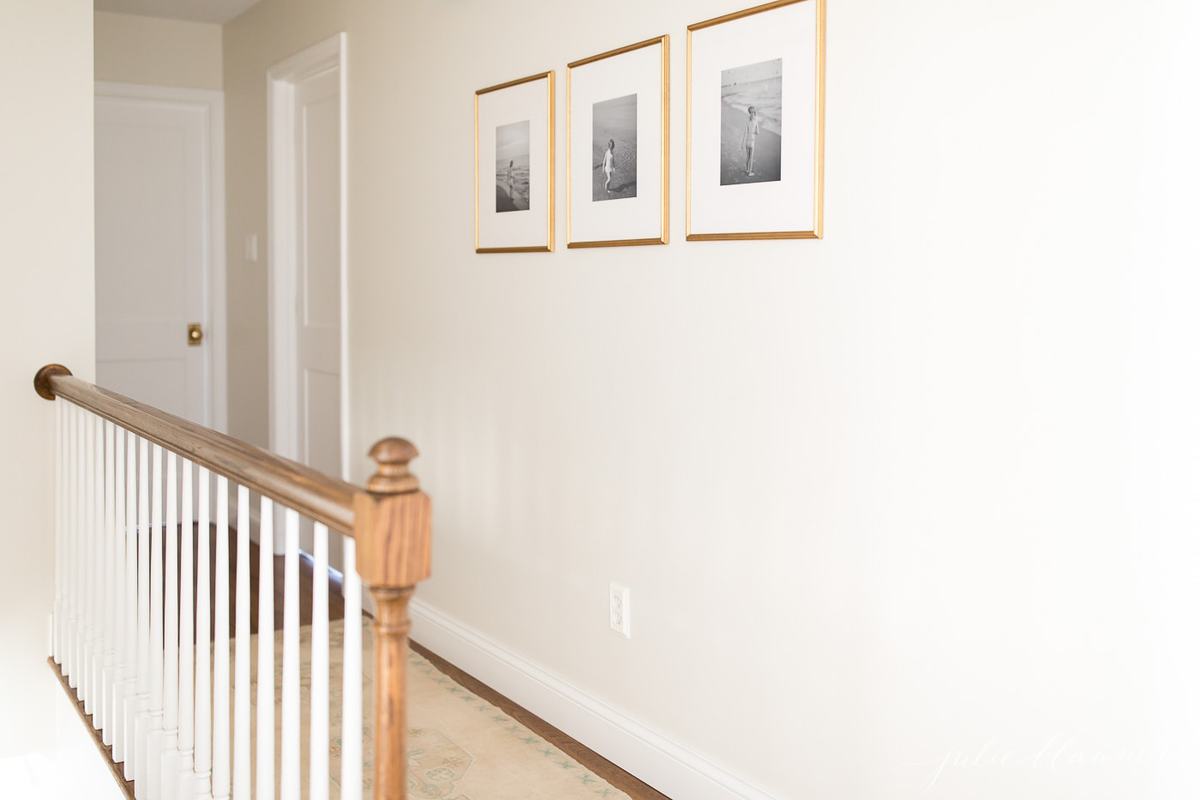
(636, 789)
(337, 608)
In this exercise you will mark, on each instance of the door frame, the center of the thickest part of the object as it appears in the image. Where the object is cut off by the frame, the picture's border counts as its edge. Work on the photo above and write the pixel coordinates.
(282, 238)
(212, 102)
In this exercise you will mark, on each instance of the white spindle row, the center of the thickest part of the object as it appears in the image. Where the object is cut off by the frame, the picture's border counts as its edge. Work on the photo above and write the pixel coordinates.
(141, 624)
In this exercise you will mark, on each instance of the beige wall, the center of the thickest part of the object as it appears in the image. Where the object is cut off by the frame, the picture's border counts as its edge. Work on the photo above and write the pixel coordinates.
(265, 35)
(906, 512)
(157, 52)
(924, 489)
(46, 314)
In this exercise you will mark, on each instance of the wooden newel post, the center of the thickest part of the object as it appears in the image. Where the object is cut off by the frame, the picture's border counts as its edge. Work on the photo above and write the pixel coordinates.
(392, 533)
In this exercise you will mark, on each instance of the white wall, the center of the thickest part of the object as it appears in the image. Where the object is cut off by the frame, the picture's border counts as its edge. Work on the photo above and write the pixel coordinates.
(157, 52)
(46, 314)
(71, 770)
(923, 491)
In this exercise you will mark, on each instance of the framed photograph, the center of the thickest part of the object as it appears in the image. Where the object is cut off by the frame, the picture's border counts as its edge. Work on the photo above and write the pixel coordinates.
(514, 166)
(755, 126)
(618, 107)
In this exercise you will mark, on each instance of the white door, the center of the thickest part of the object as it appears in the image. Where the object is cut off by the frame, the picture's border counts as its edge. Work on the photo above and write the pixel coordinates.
(318, 266)
(307, 264)
(153, 252)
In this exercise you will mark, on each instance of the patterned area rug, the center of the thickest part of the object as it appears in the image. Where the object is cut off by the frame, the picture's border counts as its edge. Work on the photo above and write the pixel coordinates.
(460, 747)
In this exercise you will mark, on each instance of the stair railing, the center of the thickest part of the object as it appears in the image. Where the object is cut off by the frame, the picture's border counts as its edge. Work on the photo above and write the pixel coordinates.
(137, 493)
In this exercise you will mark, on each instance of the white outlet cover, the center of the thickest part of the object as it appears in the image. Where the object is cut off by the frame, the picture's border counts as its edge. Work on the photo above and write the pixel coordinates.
(618, 609)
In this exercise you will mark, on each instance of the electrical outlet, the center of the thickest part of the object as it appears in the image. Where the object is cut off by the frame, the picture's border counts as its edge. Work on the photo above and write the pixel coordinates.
(618, 609)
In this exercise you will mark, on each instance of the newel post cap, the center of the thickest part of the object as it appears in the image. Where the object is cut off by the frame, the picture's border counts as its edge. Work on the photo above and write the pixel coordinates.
(392, 456)
(41, 381)
(392, 520)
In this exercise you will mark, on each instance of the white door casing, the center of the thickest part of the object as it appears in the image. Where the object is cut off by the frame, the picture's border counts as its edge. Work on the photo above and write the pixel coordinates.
(160, 248)
(307, 255)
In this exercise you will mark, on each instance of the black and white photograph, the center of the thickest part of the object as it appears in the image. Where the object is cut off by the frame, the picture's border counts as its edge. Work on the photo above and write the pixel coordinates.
(617, 146)
(614, 148)
(514, 142)
(745, 179)
(752, 123)
(512, 167)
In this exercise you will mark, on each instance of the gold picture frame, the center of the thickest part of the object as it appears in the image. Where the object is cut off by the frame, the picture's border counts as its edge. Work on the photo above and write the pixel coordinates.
(664, 236)
(817, 230)
(548, 76)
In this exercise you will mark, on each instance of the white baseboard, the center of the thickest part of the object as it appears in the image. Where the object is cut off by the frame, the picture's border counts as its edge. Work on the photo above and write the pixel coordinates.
(673, 770)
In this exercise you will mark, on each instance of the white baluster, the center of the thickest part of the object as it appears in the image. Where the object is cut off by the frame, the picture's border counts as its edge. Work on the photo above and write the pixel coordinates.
(108, 661)
(120, 594)
(221, 689)
(59, 528)
(241, 698)
(84, 513)
(79, 659)
(64, 525)
(142, 699)
(265, 749)
(352, 676)
(146, 784)
(202, 760)
(86, 521)
(183, 761)
(318, 747)
(71, 583)
(289, 772)
(76, 581)
(99, 578)
(89, 564)
(131, 601)
(81, 521)
(165, 770)
(67, 631)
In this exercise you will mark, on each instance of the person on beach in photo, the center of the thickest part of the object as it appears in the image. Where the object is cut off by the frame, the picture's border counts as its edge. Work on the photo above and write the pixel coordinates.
(509, 176)
(749, 138)
(609, 164)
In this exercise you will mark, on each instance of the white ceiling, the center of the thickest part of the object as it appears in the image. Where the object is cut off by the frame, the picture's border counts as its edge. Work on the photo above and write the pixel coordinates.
(218, 11)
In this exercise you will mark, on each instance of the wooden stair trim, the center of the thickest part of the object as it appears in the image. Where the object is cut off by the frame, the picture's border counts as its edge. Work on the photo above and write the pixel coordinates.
(105, 750)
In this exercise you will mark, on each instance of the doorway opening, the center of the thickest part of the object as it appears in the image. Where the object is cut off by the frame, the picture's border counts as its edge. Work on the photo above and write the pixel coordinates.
(307, 256)
(307, 221)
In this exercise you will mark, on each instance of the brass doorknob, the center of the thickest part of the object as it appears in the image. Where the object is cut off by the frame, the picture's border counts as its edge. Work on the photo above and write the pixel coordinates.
(195, 334)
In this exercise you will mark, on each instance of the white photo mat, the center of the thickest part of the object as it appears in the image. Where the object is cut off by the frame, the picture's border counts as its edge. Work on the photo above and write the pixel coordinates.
(523, 222)
(635, 211)
(788, 204)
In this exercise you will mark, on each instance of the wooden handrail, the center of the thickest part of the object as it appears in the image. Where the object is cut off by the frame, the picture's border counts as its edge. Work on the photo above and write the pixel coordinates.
(390, 521)
(327, 500)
